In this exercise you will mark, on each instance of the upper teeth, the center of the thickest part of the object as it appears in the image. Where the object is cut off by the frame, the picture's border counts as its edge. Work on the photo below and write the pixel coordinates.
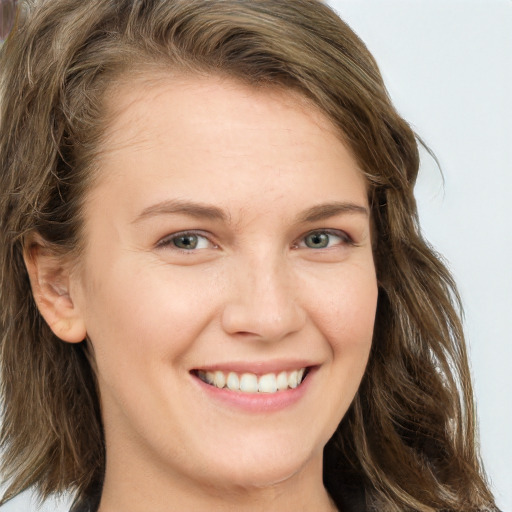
(251, 383)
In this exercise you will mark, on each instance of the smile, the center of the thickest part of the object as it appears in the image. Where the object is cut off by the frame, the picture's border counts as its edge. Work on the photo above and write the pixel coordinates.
(251, 383)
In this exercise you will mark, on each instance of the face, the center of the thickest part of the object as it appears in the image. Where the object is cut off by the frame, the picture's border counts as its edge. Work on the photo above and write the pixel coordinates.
(228, 285)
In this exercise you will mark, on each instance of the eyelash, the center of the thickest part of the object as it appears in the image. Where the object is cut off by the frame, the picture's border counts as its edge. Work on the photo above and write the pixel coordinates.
(342, 235)
(168, 241)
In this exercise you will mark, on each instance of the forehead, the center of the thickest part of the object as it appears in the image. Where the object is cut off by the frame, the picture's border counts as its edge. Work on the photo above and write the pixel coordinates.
(223, 139)
(131, 103)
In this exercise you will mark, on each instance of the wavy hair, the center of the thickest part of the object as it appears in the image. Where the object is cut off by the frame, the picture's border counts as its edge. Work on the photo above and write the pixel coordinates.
(407, 443)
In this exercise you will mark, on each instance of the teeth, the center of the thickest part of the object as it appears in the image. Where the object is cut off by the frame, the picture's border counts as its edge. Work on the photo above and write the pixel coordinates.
(219, 379)
(250, 383)
(292, 379)
(282, 381)
(268, 383)
(233, 382)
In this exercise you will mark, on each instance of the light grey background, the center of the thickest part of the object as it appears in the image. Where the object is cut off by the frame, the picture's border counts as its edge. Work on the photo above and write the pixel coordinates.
(448, 67)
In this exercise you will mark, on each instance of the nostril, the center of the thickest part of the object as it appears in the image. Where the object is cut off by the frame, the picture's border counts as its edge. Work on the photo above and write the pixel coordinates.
(259, 320)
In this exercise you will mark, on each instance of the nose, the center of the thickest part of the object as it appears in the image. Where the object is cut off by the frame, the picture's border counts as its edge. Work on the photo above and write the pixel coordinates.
(263, 302)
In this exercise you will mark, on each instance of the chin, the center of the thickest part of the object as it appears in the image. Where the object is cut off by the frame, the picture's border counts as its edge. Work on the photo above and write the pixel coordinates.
(264, 466)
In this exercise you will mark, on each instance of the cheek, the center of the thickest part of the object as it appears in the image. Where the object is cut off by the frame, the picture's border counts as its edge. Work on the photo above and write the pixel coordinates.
(140, 309)
(345, 315)
(345, 310)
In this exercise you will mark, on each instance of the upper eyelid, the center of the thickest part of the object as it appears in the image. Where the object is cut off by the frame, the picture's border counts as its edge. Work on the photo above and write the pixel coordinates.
(330, 231)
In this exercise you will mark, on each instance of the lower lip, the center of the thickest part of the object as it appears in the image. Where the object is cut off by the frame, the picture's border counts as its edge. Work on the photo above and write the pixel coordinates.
(257, 402)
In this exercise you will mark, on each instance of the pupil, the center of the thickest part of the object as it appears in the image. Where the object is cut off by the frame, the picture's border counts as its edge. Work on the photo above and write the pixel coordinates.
(317, 240)
(186, 242)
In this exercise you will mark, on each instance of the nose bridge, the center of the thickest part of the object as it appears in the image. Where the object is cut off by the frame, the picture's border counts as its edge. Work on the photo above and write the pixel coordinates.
(263, 299)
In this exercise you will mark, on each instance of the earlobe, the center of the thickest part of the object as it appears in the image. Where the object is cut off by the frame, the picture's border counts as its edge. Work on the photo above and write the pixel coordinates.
(50, 279)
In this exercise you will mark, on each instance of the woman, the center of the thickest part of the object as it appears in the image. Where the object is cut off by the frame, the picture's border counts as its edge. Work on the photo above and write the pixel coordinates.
(214, 290)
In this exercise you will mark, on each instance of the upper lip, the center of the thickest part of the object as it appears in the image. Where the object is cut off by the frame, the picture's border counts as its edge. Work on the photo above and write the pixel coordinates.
(258, 367)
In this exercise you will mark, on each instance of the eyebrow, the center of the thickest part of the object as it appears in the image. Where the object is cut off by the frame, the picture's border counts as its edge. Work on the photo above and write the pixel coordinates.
(328, 210)
(207, 211)
(176, 206)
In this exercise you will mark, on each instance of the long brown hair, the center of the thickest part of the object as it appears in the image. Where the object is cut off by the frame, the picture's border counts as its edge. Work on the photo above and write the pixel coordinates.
(408, 440)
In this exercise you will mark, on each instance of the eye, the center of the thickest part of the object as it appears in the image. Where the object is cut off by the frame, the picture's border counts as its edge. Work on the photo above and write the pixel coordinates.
(325, 239)
(186, 241)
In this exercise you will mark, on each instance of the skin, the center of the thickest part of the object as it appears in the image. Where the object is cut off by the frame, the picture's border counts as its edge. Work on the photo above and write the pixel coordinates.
(252, 291)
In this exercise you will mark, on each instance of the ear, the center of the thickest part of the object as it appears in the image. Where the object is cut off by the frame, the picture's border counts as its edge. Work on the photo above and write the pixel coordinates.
(50, 278)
